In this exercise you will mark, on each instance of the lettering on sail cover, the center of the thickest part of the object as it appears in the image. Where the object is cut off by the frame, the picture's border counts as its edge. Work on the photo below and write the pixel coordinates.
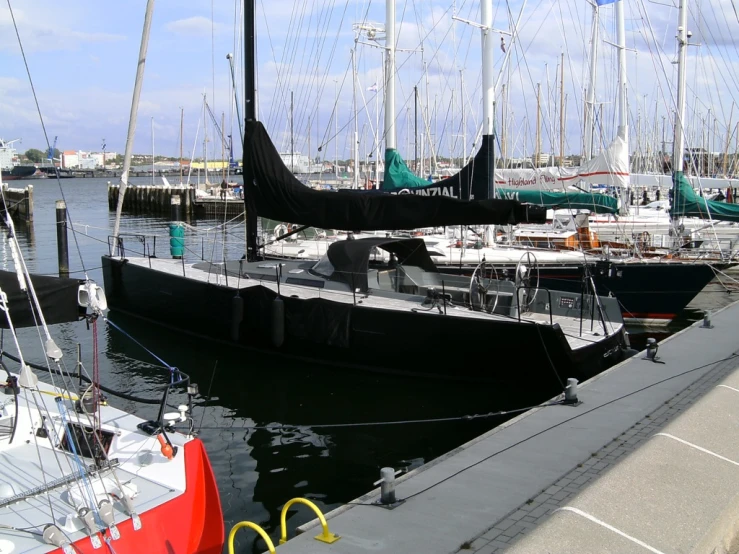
(429, 191)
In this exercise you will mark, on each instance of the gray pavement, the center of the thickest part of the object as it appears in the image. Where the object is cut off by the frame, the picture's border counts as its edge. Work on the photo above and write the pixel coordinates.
(499, 491)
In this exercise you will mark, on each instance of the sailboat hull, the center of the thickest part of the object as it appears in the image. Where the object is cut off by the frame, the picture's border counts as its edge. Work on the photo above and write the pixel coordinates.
(648, 292)
(353, 335)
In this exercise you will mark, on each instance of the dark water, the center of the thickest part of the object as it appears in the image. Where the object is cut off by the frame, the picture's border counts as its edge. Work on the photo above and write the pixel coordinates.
(259, 469)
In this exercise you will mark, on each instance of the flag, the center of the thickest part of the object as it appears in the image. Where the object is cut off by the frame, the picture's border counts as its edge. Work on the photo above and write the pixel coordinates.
(502, 44)
(373, 88)
(604, 2)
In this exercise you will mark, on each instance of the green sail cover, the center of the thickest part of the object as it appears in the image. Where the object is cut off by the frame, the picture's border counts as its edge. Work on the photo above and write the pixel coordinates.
(598, 203)
(398, 175)
(686, 203)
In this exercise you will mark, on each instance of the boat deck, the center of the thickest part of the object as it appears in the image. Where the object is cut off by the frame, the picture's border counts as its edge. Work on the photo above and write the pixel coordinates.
(570, 325)
(35, 488)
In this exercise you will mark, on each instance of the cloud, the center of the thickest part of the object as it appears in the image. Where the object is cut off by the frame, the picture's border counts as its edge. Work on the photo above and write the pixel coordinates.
(197, 26)
(46, 34)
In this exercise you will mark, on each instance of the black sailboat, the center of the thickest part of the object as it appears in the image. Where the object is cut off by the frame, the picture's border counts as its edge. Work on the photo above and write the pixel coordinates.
(377, 304)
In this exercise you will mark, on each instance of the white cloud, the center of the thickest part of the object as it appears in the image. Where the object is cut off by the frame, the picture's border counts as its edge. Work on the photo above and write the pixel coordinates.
(197, 26)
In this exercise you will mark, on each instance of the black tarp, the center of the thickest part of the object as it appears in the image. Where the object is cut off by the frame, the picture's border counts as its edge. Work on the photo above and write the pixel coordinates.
(350, 258)
(474, 181)
(277, 194)
(57, 297)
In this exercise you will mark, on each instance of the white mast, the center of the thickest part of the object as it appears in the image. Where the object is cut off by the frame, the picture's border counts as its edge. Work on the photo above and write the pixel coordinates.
(205, 142)
(623, 130)
(390, 142)
(486, 12)
(355, 144)
(590, 98)
(132, 116)
(682, 52)
(152, 150)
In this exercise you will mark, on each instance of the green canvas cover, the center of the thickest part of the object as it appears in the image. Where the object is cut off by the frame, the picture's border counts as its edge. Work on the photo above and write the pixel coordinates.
(598, 203)
(686, 203)
(398, 175)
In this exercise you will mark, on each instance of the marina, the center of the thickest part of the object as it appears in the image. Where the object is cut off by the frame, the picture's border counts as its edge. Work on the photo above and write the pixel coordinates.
(430, 345)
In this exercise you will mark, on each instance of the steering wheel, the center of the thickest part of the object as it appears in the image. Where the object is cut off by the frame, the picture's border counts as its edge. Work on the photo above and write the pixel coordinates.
(481, 282)
(527, 278)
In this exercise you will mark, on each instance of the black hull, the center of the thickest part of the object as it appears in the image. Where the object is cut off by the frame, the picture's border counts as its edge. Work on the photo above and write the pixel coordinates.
(656, 291)
(345, 335)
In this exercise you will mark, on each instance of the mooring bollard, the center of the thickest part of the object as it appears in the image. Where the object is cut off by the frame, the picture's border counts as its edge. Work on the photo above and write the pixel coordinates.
(387, 487)
(707, 320)
(62, 245)
(652, 348)
(571, 391)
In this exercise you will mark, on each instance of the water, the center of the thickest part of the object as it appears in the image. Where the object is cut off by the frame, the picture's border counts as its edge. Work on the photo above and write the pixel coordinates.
(258, 470)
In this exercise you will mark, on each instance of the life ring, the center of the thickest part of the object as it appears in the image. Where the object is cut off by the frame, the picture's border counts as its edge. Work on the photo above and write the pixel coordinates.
(280, 230)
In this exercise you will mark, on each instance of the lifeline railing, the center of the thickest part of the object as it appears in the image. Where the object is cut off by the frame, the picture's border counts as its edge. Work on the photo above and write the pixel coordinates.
(325, 536)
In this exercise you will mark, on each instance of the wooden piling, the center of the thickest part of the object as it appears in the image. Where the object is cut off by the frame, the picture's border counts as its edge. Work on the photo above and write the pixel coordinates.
(62, 244)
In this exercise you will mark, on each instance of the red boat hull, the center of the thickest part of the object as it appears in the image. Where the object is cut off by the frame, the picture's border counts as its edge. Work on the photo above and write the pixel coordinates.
(192, 523)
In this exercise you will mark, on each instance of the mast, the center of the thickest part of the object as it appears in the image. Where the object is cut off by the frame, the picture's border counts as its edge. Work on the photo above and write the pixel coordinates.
(182, 127)
(623, 129)
(205, 142)
(152, 151)
(464, 119)
(309, 159)
(336, 130)
(390, 143)
(562, 113)
(132, 116)
(537, 146)
(415, 129)
(679, 141)
(504, 126)
(292, 137)
(355, 143)
(250, 114)
(488, 89)
(590, 97)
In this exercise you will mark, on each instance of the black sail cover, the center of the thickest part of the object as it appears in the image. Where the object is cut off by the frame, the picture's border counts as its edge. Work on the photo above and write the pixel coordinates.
(277, 194)
(57, 297)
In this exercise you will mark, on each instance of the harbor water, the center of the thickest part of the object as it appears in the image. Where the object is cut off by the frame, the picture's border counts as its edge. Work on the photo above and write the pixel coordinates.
(274, 428)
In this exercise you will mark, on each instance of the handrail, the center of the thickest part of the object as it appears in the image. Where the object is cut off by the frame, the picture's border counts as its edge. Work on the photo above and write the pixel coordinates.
(255, 527)
(325, 535)
(549, 296)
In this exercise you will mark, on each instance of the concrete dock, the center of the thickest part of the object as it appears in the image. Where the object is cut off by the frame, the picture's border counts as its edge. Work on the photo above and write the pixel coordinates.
(648, 461)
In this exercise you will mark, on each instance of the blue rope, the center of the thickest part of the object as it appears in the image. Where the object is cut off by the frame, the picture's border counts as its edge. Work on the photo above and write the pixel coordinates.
(172, 369)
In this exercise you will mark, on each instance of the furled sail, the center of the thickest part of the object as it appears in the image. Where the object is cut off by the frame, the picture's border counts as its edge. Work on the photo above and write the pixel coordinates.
(58, 298)
(686, 203)
(276, 194)
(471, 183)
(597, 203)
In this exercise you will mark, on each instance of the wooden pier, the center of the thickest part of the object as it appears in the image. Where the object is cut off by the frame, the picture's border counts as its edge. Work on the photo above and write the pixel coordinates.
(19, 202)
(157, 200)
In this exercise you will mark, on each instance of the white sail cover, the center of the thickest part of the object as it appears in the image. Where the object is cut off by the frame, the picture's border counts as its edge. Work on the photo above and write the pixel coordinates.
(610, 167)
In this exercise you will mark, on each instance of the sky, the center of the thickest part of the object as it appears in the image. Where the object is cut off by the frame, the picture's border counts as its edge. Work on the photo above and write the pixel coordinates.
(82, 59)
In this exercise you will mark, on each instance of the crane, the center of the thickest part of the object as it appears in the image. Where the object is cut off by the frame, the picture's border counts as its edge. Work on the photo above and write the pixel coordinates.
(50, 157)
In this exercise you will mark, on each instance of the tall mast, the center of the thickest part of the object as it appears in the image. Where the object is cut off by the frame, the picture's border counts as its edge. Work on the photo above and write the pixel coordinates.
(205, 142)
(504, 125)
(562, 112)
(464, 119)
(488, 90)
(250, 115)
(182, 127)
(682, 45)
(590, 98)
(292, 137)
(415, 129)
(355, 143)
(390, 143)
(132, 116)
(152, 150)
(336, 130)
(537, 146)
